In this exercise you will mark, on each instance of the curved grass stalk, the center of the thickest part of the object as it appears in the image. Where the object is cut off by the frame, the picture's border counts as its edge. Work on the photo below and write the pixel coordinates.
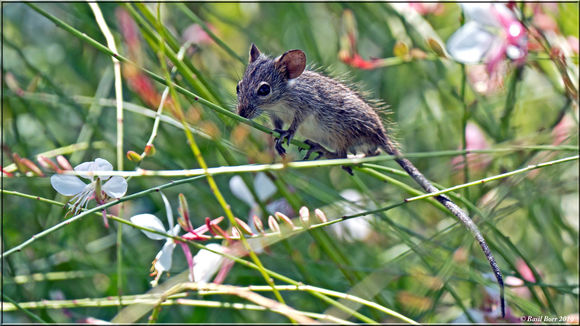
(302, 165)
(193, 76)
(159, 111)
(83, 214)
(327, 292)
(189, 13)
(64, 150)
(18, 306)
(119, 105)
(130, 107)
(142, 193)
(176, 300)
(160, 79)
(270, 304)
(201, 161)
(96, 212)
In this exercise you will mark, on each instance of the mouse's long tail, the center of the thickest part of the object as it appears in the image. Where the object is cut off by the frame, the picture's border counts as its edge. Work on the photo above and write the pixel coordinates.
(458, 212)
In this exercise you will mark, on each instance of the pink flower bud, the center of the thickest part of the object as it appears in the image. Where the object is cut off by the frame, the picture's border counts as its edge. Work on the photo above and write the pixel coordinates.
(321, 216)
(304, 216)
(273, 224)
(63, 162)
(284, 218)
(133, 156)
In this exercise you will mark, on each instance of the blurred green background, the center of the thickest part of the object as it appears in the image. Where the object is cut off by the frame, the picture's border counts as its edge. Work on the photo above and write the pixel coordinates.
(421, 262)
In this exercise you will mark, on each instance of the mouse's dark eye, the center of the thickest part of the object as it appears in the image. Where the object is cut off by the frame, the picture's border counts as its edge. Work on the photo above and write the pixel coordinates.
(238, 88)
(264, 90)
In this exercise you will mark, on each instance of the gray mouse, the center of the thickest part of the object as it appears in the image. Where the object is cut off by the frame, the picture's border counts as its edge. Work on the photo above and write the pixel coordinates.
(334, 119)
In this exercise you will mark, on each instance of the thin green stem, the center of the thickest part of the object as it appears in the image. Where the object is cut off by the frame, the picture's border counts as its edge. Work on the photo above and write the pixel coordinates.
(270, 304)
(176, 300)
(85, 213)
(128, 106)
(120, 153)
(189, 13)
(24, 309)
(201, 161)
(510, 104)
(96, 212)
(331, 293)
(464, 120)
(494, 178)
(162, 80)
(64, 150)
(272, 167)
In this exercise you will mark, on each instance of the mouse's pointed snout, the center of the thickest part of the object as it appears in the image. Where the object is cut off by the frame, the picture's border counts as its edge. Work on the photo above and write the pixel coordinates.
(245, 111)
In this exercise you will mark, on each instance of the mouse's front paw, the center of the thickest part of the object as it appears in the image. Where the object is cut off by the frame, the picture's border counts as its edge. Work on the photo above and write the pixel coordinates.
(281, 151)
(284, 134)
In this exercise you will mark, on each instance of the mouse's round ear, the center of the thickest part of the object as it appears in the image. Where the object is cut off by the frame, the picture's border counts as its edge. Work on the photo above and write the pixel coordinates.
(254, 53)
(292, 63)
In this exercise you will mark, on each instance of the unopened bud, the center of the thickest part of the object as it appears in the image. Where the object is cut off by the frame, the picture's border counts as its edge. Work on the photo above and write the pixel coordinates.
(183, 224)
(418, 54)
(235, 233)
(245, 228)
(64, 163)
(349, 23)
(401, 49)
(133, 156)
(6, 173)
(284, 218)
(304, 216)
(18, 161)
(436, 47)
(321, 216)
(258, 224)
(150, 150)
(273, 224)
(183, 211)
(32, 167)
(215, 229)
(46, 163)
(344, 55)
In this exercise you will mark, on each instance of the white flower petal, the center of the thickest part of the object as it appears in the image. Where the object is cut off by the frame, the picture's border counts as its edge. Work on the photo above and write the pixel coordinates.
(504, 11)
(167, 210)
(102, 165)
(239, 189)
(116, 187)
(85, 167)
(265, 188)
(514, 53)
(175, 230)
(281, 205)
(257, 244)
(151, 222)
(165, 257)
(207, 263)
(67, 185)
(469, 43)
(481, 13)
(357, 229)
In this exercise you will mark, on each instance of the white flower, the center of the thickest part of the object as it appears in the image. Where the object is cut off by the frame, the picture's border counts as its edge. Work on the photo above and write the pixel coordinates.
(163, 259)
(354, 229)
(207, 263)
(265, 188)
(70, 185)
(491, 33)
